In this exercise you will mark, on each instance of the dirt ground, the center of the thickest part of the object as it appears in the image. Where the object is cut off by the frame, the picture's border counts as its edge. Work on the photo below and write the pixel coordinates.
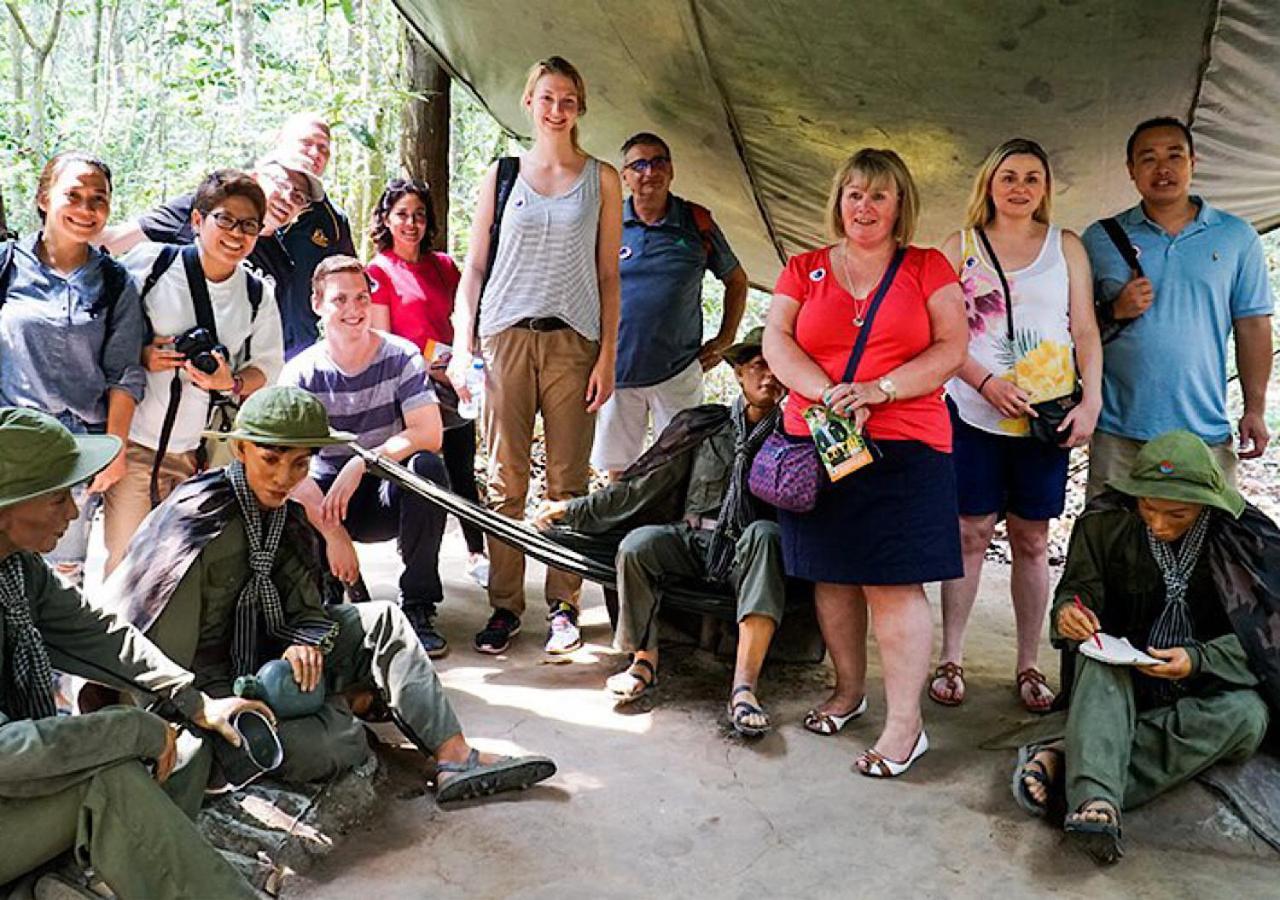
(667, 802)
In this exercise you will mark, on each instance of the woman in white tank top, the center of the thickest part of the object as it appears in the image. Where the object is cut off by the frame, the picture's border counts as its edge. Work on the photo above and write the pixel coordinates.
(548, 330)
(1000, 469)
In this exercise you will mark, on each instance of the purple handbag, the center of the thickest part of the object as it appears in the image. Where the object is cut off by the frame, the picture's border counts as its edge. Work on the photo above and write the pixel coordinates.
(786, 472)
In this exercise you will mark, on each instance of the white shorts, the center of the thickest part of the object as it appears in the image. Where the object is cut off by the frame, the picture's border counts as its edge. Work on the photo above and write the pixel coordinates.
(623, 422)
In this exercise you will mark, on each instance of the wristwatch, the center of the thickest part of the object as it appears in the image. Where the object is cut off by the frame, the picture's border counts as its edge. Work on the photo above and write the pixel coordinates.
(886, 384)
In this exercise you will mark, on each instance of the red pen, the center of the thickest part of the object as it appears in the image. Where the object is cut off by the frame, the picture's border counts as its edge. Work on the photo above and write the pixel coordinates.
(1080, 606)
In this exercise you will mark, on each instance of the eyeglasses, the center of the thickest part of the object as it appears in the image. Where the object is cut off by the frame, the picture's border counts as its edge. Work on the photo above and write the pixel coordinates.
(284, 185)
(247, 227)
(657, 163)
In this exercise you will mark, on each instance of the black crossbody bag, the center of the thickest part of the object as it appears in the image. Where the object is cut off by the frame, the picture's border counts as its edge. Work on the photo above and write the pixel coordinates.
(1050, 414)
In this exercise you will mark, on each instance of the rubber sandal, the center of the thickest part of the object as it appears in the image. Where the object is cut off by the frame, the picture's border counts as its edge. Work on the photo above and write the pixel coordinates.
(640, 685)
(1030, 767)
(954, 676)
(470, 779)
(1034, 676)
(740, 709)
(828, 724)
(1101, 840)
(875, 764)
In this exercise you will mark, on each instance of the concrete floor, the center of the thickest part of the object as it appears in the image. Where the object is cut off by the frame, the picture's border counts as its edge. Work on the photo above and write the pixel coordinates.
(668, 802)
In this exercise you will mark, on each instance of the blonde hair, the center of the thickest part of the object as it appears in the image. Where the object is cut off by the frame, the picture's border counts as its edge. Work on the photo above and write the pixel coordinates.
(981, 210)
(558, 65)
(877, 167)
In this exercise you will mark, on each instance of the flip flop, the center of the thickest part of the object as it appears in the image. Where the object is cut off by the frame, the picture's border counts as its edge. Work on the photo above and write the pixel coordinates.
(828, 724)
(1039, 774)
(640, 685)
(472, 778)
(740, 709)
(1101, 840)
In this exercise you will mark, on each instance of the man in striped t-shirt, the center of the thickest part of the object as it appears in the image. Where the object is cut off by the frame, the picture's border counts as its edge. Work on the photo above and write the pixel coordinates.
(375, 386)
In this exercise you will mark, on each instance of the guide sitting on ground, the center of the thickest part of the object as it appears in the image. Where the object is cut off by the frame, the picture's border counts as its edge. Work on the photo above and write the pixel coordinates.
(1175, 561)
(82, 783)
(225, 576)
(701, 461)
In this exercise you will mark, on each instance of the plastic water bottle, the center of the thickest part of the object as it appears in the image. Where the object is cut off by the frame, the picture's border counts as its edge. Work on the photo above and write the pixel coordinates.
(470, 409)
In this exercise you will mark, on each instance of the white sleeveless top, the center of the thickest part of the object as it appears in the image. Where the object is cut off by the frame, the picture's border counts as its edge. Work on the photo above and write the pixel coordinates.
(546, 262)
(1040, 358)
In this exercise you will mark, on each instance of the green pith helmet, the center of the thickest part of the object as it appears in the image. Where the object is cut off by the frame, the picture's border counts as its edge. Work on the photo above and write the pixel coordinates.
(1179, 466)
(283, 416)
(38, 455)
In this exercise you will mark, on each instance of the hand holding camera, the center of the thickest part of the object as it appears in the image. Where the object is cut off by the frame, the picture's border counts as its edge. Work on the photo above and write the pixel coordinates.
(196, 351)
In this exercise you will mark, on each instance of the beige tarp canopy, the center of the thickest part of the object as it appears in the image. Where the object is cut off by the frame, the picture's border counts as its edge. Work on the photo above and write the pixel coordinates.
(759, 99)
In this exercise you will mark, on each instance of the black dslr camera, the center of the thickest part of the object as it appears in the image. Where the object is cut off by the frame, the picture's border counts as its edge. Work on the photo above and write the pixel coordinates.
(197, 345)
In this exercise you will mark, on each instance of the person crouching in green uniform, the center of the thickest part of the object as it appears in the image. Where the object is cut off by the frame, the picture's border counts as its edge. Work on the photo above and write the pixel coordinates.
(225, 576)
(1173, 559)
(81, 783)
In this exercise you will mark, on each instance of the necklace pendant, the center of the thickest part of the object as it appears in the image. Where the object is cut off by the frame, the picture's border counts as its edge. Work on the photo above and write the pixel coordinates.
(858, 321)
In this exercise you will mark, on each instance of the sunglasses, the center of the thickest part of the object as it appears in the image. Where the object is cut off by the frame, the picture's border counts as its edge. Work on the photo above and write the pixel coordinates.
(657, 163)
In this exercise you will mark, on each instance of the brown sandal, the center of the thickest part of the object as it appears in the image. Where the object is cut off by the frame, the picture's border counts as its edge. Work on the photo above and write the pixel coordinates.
(954, 676)
(1035, 677)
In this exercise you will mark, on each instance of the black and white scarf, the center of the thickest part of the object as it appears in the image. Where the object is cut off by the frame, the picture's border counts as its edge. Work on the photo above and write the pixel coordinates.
(32, 676)
(1172, 627)
(259, 596)
(736, 511)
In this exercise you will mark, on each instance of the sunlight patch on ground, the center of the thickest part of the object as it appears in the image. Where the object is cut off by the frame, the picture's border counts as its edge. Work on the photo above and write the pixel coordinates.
(574, 706)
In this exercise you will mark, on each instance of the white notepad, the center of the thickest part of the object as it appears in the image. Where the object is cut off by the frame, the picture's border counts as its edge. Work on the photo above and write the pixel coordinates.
(1116, 651)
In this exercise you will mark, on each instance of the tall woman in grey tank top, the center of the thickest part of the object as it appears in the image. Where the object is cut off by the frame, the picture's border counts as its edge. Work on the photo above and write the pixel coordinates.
(548, 331)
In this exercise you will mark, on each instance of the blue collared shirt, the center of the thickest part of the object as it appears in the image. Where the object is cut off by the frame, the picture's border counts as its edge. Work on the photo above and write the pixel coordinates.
(1168, 369)
(59, 350)
(661, 266)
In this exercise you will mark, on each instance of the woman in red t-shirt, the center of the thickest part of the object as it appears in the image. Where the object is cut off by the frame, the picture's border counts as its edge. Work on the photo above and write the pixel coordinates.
(413, 290)
(877, 534)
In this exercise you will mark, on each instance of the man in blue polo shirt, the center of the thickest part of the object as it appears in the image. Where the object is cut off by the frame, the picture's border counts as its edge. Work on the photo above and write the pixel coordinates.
(1203, 275)
(667, 244)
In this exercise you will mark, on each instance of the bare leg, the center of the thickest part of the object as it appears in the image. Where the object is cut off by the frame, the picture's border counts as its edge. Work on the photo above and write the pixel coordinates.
(958, 597)
(1029, 581)
(754, 635)
(842, 616)
(900, 616)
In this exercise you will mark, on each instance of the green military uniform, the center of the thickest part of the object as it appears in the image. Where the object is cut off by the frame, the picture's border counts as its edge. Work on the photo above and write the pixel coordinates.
(700, 474)
(80, 782)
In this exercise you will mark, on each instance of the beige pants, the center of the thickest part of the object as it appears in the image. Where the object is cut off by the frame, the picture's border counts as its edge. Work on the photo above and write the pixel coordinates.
(532, 372)
(1112, 456)
(128, 501)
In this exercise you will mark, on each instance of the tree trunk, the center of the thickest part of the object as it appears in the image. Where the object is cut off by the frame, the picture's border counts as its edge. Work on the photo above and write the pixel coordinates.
(95, 62)
(40, 51)
(18, 53)
(424, 140)
(245, 64)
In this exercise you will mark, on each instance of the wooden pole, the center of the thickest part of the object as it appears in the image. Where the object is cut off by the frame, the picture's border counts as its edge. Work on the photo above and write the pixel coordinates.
(424, 141)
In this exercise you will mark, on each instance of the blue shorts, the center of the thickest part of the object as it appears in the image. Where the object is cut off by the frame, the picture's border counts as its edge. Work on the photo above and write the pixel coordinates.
(997, 473)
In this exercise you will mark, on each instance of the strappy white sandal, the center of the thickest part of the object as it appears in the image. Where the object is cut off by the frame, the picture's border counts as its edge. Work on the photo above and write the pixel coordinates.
(874, 764)
(830, 723)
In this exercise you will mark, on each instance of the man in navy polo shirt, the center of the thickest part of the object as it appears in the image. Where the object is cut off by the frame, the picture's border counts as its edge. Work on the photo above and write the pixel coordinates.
(667, 244)
(1203, 276)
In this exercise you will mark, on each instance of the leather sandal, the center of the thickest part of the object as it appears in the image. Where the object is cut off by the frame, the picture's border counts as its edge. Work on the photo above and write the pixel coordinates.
(644, 679)
(1034, 677)
(471, 778)
(954, 677)
(740, 709)
(1101, 840)
(1030, 767)
(830, 723)
(874, 764)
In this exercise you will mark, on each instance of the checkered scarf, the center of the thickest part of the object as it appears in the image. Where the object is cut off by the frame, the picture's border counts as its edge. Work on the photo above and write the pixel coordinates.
(736, 511)
(259, 599)
(1172, 627)
(24, 648)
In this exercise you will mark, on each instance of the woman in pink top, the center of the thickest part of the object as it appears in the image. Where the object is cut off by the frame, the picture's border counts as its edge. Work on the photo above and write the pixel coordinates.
(413, 291)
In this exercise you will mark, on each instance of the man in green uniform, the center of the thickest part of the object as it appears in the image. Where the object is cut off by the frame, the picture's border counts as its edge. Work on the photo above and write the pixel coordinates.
(694, 482)
(82, 782)
(1173, 560)
(225, 575)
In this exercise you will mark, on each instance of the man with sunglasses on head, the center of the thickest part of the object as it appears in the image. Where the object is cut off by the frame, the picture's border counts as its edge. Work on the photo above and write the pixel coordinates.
(667, 245)
(289, 183)
(200, 288)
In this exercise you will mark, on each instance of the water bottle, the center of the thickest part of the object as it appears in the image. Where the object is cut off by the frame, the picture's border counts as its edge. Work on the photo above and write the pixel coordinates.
(470, 409)
(275, 686)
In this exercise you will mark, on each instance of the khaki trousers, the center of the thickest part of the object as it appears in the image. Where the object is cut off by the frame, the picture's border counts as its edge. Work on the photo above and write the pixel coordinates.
(1112, 456)
(128, 501)
(532, 372)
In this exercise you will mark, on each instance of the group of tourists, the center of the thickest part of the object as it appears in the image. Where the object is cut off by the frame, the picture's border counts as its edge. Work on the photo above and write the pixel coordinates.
(208, 391)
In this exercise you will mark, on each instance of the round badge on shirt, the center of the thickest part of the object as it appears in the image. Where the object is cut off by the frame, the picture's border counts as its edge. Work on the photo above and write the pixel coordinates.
(818, 274)
(624, 252)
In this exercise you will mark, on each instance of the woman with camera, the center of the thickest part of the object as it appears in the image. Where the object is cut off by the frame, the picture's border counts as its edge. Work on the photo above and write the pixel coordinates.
(217, 337)
(63, 300)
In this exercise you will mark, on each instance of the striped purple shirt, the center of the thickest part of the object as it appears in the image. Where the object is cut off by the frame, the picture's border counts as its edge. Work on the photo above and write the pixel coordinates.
(370, 403)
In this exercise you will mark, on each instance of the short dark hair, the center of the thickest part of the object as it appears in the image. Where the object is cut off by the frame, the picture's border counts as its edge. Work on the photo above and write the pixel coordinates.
(220, 184)
(53, 168)
(648, 139)
(1159, 122)
(333, 265)
(397, 189)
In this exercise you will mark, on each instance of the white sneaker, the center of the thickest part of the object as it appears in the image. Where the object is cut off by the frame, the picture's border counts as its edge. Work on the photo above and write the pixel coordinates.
(563, 635)
(478, 569)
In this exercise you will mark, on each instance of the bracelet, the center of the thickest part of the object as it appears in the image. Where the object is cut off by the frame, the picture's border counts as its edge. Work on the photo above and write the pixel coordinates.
(984, 381)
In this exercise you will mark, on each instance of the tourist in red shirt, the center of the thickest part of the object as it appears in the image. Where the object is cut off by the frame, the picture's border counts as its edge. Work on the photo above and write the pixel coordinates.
(413, 290)
(879, 532)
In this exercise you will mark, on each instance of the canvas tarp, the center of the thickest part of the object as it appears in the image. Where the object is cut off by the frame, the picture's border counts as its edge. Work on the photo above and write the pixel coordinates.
(760, 99)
